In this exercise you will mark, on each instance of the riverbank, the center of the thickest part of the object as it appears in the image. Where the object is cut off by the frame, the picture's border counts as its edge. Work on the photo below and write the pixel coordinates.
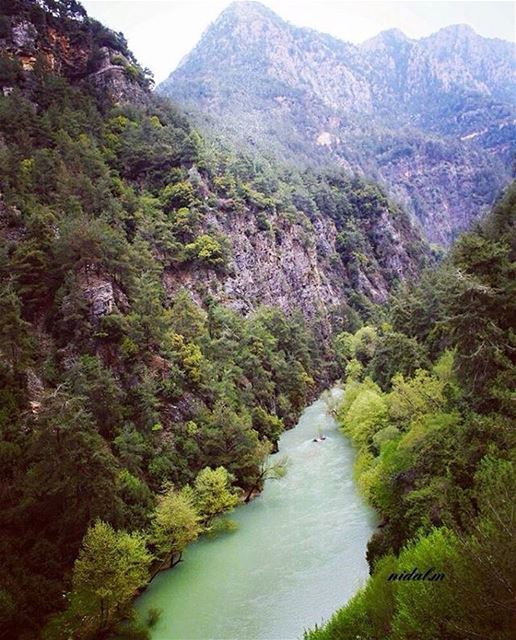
(298, 554)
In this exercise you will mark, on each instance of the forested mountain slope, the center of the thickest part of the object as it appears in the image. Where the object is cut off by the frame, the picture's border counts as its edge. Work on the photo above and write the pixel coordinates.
(429, 404)
(431, 119)
(129, 247)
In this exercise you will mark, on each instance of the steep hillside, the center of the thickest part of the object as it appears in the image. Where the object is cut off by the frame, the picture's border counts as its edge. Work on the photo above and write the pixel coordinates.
(432, 119)
(130, 383)
(61, 37)
(429, 405)
(297, 240)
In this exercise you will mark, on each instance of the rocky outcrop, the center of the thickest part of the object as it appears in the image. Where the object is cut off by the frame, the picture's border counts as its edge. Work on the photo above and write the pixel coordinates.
(433, 119)
(71, 44)
(295, 264)
(288, 272)
(101, 299)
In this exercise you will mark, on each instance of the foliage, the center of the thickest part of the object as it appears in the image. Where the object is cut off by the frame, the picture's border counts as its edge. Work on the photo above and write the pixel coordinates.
(213, 494)
(436, 449)
(115, 381)
(109, 570)
(176, 523)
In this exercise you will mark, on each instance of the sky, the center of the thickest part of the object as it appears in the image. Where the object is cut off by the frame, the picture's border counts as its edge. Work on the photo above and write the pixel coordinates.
(161, 32)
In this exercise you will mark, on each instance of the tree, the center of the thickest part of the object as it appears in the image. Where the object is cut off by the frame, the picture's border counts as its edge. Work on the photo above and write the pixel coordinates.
(178, 195)
(267, 425)
(343, 346)
(176, 524)
(95, 382)
(186, 317)
(229, 441)
(209, 250)
(366, 413)
(148, 320)
(395, 353)
(411, 398)
(71, 475)
(31, 263)
(88, 246)
(15, 339)
(267, 469)
(364, 344)
(481, 310)
(111, 567)
(213, 493)
(188, 356)
(185, 223)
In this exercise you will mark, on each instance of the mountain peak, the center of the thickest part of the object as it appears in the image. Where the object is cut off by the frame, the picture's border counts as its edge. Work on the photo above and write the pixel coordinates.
(248, 10)
(459, 29)
(395, 105)
(384, 38)
(454, 33)
(392, 34)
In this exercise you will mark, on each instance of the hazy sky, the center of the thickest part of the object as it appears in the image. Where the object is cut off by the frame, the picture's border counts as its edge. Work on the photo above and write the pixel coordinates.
(161, 32)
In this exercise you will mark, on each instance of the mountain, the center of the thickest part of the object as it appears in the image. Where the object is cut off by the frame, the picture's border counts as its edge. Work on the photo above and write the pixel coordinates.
(288, 233)
(168, 306)
(433, 120)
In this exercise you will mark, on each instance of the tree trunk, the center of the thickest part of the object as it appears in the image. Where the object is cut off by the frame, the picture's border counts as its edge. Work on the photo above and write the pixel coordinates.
(250, 492)
(179, 559)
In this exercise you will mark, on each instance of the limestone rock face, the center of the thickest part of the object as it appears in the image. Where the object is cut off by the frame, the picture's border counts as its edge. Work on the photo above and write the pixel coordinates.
(24, 35)
(293, 265)
(433, 120)
(101, 298)
(71, 46)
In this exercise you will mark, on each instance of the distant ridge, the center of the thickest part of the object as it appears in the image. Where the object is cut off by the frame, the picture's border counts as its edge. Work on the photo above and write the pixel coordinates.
(432, 119)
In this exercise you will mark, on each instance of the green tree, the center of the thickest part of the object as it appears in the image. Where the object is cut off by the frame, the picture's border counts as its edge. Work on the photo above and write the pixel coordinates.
(209, 250)
(267, 425)
(175, 196)
(111, 567)
(396, 353)
(267, 469)
(213, 493)
(71, 475)
(16, 344)
(186, 317)
(176, 524)
(367, 413)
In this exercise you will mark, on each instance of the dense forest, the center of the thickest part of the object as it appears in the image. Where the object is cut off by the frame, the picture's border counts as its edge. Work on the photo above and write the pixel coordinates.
(115, 418)
(133, 414)
(429, 404)
(135, 411)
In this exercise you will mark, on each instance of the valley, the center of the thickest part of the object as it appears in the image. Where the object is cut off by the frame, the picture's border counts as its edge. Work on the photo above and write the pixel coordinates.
(185, 269)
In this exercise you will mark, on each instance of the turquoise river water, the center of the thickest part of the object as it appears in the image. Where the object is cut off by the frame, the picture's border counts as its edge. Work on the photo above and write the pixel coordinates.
(297, 556)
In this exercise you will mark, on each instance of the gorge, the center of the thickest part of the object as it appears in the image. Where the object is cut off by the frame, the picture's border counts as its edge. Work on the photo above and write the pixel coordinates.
(180, 281)
(297, 555)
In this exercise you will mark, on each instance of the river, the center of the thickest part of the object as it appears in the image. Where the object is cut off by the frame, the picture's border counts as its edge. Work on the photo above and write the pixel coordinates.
(297, 556)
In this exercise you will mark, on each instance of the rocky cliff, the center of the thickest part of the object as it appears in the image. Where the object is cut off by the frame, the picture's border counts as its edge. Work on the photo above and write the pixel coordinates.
(244, 230)
(60, 37)
(433, 119)
(297, 260)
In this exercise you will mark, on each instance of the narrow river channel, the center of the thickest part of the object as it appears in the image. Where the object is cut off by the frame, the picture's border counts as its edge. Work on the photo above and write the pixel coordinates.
(297, 556)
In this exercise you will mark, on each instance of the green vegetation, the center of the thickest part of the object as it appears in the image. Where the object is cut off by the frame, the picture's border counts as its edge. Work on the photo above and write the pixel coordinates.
(436, 449)
(131, 415)
(134, 412)
(70, 17)
(111, 566)
(176, 524)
